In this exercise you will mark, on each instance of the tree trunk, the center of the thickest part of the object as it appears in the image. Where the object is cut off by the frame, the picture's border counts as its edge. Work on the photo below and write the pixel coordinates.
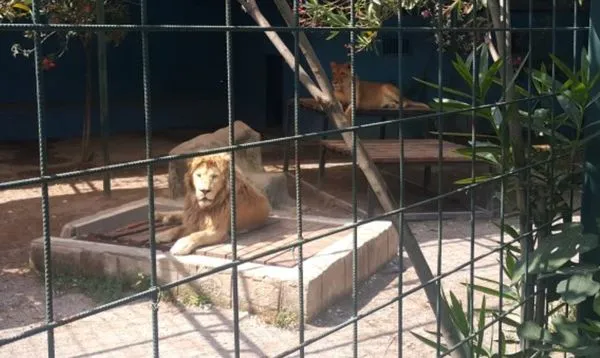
(500, 14)
(86, 154)
(334, 111)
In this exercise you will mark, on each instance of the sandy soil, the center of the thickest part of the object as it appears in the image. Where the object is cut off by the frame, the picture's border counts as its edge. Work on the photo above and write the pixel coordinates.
(22, 294)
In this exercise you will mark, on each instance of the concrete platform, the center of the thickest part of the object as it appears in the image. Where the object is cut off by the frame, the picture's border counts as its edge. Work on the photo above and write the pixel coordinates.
(267, 285)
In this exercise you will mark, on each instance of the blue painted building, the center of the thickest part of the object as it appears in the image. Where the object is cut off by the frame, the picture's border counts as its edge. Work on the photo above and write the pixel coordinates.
(188, 74)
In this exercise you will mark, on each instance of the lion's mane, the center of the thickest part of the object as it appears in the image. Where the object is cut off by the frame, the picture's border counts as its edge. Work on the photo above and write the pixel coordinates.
(252, 206)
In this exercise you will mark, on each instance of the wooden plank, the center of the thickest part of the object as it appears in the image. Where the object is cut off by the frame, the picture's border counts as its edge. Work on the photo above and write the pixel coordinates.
(312, 105)
(285, 227)
(277, 232)
(244, 240)
(287, 259)
(415, 150)
(285, 238)
(262, 239)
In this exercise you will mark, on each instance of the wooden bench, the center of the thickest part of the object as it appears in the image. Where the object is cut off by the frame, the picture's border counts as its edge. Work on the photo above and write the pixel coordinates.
(417, 151)
(387, 151)
(422, 152)
(311, 105)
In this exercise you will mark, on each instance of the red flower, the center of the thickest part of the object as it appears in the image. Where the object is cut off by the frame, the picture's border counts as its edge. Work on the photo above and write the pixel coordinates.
(48, 64)
(517, 61)
(87, 8)
(426, 13)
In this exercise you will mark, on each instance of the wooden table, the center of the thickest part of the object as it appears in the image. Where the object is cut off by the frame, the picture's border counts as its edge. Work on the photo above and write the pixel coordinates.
(423, 152)
(415, 150)
(420, 151)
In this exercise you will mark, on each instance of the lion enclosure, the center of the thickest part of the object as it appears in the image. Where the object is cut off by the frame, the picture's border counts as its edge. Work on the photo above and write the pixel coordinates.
(291, 178)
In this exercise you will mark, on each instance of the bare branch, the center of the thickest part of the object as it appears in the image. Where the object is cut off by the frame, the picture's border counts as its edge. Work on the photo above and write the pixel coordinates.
(310, 55)
(334, 111)
(491, 47)
(252, 9)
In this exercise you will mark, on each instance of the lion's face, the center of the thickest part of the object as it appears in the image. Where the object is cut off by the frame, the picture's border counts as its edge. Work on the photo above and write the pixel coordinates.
(340, 73)
(208, 182)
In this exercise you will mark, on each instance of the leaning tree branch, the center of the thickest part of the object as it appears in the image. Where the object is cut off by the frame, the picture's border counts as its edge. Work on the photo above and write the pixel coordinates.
(333, 109)
(491, 47)
(251, 8)
(307, 50)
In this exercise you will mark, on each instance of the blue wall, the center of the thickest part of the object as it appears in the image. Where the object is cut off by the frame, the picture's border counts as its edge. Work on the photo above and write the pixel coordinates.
(188, 74)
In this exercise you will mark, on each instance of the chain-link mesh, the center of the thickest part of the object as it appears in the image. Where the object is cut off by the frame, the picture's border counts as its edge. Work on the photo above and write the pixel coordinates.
(396, 215)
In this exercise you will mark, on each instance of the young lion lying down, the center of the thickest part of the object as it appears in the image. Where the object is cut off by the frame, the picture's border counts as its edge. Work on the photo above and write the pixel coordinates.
(369, 95)
(205, 219)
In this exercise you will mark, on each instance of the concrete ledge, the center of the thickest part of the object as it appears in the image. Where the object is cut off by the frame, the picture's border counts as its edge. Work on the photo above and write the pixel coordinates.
(263, 288)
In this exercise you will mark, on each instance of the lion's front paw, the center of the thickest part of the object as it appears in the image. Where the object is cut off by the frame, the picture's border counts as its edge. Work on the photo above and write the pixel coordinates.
(162, 237)
(159, 217)
(183, 246)
(166, 218)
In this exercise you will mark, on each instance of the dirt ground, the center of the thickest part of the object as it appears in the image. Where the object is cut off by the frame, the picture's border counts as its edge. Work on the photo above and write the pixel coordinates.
(21, 292)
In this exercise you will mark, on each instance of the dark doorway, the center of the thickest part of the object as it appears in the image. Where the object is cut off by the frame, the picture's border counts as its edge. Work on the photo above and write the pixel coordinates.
(274, 100)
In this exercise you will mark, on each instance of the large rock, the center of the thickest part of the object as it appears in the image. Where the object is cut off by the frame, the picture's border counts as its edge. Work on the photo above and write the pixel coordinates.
(249, 160)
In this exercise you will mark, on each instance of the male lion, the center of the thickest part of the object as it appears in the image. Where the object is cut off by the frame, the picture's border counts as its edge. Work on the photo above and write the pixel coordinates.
(205, 219)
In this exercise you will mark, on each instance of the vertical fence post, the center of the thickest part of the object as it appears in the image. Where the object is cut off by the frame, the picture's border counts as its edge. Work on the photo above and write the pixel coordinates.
(590, 200)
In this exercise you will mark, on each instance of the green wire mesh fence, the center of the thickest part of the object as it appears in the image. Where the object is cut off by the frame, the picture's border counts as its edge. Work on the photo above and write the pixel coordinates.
(456, 342)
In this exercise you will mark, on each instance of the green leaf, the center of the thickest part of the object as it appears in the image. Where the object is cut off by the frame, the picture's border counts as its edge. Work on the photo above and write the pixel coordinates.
(477, 179)
(583, 350)
(490, 154)
(591, 325)
(578, 269)
(465, 108)
(511, 263)
(577, 288)
(505, 320)
(564, 68)
(556, 250)
(502, 338)
(569, 106)
(508, 229)
(588, 138)
(463, 70)
(545, 80)
(458, 313)
(488, 78)
(516, 74)
(506, 292)
(593, 100)
(528, 353)
(520, 90)
(459, 134)
(429, 342)
(484, 59)
(21, 6)
(596, 304)
(594, 80)
(480, 326)
(446, 89)
(532, 332)
(497, 116)
(567, 334)
(584, 67)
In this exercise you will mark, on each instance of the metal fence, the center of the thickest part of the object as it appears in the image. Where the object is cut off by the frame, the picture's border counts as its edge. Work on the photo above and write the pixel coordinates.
(434, 280)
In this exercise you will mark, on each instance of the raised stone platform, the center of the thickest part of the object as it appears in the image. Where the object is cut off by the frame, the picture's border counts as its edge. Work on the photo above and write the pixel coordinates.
(112, 243)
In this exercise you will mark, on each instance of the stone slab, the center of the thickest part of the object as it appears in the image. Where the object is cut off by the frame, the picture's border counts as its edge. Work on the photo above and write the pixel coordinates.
(263, 288)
